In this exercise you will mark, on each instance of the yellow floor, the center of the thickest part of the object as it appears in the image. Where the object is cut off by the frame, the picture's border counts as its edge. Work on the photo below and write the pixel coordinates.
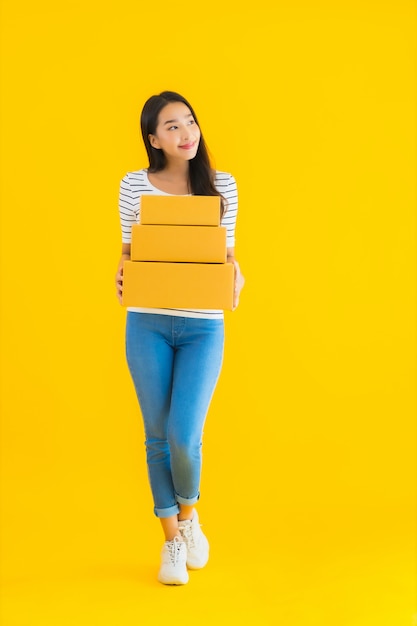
(297, 575)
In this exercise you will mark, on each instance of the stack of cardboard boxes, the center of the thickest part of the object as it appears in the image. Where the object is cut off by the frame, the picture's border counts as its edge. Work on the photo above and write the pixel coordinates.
(178, 256)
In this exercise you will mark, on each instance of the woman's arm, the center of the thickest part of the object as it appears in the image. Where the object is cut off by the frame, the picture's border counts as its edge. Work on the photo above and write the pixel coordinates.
(119, 275)
(239, 278)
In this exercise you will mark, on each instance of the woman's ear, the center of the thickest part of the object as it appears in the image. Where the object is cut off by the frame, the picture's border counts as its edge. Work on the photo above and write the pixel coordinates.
(154, 142)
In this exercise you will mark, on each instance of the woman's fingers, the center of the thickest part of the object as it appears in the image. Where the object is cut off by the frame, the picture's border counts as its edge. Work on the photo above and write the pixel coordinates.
(119, 284)
(239, 282)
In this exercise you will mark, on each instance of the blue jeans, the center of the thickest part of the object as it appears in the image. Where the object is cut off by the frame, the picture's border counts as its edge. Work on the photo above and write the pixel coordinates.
(175, 363)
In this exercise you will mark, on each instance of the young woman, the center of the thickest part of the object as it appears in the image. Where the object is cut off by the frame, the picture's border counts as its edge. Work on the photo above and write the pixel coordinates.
(175, 355)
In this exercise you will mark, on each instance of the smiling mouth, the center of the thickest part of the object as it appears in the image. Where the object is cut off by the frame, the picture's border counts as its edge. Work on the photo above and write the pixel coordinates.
(187, 146)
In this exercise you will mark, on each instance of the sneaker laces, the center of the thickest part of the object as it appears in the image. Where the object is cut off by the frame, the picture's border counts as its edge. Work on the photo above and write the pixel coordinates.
(186, 531)
(174, 549)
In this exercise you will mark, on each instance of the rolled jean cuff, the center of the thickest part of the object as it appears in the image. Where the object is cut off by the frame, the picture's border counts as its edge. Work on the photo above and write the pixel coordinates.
(187, 501)
(169, 512)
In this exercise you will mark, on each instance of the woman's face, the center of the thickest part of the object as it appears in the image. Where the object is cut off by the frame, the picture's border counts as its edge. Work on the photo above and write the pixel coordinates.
(177, 133)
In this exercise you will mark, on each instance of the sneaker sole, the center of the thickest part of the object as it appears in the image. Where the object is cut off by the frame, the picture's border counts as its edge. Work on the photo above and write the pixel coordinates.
(173, 581)
(194, 567)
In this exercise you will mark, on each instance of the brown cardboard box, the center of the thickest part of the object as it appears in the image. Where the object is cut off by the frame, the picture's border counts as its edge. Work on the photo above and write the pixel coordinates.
(180, 210)
(178, 285)
(187, 244)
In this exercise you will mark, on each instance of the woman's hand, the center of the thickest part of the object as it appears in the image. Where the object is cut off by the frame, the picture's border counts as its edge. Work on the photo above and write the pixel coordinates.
(119, 283)
(119, 274)
(239, 282)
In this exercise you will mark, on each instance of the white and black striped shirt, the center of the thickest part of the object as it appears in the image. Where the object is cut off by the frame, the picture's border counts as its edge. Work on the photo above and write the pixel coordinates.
(135, 184)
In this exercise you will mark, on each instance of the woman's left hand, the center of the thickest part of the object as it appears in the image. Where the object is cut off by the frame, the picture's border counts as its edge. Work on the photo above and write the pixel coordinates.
(239, 282)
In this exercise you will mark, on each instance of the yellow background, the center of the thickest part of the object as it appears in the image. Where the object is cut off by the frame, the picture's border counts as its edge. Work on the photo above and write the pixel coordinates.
(308, 493)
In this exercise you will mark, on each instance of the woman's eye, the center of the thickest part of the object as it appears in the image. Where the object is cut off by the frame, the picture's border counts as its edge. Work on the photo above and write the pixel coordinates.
(172, 127)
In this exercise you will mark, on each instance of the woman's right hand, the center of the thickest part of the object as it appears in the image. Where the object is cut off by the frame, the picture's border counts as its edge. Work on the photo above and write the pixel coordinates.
(119, 283)
(119, 275)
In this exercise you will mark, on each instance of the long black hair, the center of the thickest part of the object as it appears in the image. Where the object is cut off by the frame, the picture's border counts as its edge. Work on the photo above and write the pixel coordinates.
(201, 174)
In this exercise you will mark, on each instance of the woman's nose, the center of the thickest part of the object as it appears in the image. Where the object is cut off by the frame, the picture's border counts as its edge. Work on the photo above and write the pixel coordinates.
(186, 132)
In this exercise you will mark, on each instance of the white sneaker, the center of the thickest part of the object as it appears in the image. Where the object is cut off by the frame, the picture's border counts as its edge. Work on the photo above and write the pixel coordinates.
(173, 569)
(196, 541)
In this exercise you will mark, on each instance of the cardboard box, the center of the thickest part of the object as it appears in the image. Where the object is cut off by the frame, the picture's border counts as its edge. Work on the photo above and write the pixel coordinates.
(187, 244)
(178, 285)
(180, 210)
